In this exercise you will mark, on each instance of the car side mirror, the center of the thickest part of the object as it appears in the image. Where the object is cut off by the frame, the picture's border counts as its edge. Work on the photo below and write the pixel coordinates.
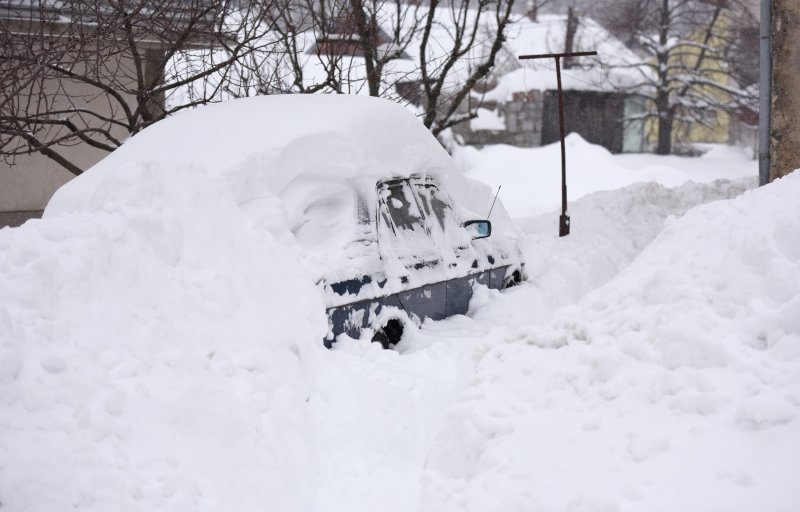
(479, 228)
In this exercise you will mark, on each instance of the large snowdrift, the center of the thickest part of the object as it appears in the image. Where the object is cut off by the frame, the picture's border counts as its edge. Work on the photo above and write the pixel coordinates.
(675, 386)
(160, 350)
(155, 354)
(531, 177)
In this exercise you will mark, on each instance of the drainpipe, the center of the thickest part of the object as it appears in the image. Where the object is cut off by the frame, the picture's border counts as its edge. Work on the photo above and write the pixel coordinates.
(765, 96)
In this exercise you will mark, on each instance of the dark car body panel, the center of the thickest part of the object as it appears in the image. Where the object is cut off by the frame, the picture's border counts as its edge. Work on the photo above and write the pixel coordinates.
(434, 301)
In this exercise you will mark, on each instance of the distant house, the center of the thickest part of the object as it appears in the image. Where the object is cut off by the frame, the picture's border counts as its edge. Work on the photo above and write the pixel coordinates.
(333, 52)
(339, 38)
(335, 48)
(519, 104)
(730, 63)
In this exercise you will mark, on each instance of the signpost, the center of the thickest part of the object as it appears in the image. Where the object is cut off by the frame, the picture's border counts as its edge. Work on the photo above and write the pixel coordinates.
(563, 224)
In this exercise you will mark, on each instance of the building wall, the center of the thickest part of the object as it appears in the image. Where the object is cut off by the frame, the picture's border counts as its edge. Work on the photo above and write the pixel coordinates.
(29, 181)
(531, 120)
(595, 116)
(784, 129)
(523, 121)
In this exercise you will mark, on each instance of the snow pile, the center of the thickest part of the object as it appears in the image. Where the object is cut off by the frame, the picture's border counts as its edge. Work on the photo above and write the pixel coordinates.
(609, 229)
(735, 281)
(161, 344)
(156, 353)
(160, 329)
(531, 177)
(675, 386)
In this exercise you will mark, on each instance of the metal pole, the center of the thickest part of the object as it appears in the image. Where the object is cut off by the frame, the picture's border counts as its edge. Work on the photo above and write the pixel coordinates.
(563, 221)
(765, 88)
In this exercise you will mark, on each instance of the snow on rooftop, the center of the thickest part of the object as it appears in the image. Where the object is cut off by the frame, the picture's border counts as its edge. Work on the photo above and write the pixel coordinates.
(547, 35)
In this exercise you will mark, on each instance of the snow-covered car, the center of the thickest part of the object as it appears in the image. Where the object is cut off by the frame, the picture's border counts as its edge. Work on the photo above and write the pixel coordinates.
(389, 229)
(420, 258)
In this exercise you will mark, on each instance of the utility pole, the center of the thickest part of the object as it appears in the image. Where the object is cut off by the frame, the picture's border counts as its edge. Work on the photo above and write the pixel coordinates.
(765, 92)
(563, 221)
(784, 133)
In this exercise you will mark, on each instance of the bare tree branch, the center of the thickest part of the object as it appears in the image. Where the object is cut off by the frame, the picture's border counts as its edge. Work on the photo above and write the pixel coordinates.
(684, 71)
(94, 72)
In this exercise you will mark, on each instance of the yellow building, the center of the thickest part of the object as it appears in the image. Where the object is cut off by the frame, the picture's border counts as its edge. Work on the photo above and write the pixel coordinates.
(699, 86)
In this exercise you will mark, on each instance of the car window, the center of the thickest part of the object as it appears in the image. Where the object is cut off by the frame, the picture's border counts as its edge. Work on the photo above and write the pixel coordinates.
(442, 219)
(401, 206)
(434, 206)
(402, 230)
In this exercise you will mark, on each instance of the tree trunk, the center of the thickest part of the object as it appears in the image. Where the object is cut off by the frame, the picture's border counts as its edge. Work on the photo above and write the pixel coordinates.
(665, 122)
(666, 114)
(532, 10)
(572, 30)
(365, 26)
(784, 146)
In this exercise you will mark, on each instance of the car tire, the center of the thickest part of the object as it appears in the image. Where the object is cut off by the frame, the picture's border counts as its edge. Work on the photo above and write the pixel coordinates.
(389, 334)
(513, 280)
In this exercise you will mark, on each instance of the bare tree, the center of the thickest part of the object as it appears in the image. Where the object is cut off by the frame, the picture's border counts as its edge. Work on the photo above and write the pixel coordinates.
(95, 72)
(477, 37)
(432, 53)
(685, 70)
(342, 46)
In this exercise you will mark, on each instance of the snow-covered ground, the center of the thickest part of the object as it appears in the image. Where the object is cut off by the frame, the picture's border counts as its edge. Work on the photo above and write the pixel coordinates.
(531, 178)
(163, 352)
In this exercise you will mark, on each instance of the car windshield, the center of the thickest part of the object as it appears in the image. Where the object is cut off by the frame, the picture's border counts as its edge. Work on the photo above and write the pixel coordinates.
(402, 232)
(401, 206)
(433, 205)
(443, 222)
(417, 223)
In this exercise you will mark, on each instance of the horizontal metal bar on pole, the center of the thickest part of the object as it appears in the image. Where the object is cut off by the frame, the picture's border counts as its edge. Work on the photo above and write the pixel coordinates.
(555, 55)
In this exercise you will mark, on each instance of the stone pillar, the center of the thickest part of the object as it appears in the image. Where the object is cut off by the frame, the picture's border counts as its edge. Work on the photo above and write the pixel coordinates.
(785, 129)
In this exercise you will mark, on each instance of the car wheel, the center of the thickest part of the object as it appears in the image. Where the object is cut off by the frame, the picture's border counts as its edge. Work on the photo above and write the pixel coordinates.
(513, 280)
(389, 334)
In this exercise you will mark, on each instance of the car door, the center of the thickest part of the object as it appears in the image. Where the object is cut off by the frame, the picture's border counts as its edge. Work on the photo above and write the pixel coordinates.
(445, 226)
(458, 253)
(407, 247)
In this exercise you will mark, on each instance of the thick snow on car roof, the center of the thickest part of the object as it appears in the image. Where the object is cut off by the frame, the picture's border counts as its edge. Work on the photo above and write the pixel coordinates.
(266, 142)
(294, 165)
